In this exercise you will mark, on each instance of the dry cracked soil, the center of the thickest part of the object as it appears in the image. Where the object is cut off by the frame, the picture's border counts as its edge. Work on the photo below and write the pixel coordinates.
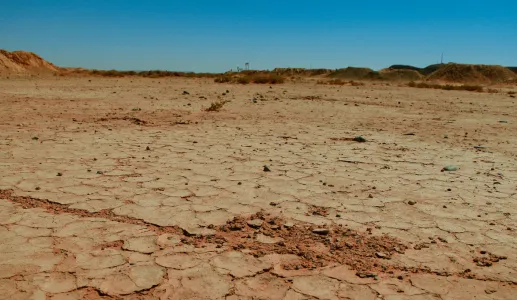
(128, 189)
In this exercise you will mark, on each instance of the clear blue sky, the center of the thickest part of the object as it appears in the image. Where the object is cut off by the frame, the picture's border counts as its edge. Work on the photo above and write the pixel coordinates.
(216, 36)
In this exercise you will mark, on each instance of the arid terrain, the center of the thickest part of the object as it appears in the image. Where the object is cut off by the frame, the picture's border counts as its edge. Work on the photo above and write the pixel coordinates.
(127, 188)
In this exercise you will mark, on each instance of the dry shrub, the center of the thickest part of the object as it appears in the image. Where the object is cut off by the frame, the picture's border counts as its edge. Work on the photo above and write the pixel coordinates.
(447, 87)
(223, 79)
(340, 82)
(252, 78)
(216, 106)
(150, 74)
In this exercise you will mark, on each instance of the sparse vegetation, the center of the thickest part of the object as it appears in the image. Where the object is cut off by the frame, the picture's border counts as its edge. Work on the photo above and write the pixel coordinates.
(216, 106)
(150, 74)
(340, 82)
(251, 78)
(447, 87)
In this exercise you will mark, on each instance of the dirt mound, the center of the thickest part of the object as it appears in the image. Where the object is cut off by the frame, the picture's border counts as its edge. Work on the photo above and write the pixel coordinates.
(400, 74)
(462, 73)
(353, 73)
(21, 62)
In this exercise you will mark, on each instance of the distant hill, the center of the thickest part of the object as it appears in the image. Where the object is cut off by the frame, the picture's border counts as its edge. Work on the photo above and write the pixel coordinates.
(353, 73)
(513, 69)
(463, 73)
(424, 71)
(21, 62)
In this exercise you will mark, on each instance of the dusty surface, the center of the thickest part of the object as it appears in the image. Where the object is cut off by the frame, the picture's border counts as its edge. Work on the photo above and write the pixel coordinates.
(127, 189)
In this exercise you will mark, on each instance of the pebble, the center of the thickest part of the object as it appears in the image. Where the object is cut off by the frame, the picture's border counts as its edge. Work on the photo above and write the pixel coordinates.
(322, 231)
(266, 169)
(288, 225)
(381, 255)
(359, 139)
(450, 168)
(411, 202)
(255, 223)
(365, 275)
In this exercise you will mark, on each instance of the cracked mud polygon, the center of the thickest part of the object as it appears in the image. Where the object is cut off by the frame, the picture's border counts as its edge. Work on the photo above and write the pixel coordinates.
(129, 189)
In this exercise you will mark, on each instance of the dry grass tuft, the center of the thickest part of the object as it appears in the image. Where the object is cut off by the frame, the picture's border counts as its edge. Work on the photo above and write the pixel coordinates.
(340, 82)
(216, 106)
(251, 78)
(447, 87)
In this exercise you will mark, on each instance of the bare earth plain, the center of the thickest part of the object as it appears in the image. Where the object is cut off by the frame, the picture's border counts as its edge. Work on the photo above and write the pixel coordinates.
(128, 189)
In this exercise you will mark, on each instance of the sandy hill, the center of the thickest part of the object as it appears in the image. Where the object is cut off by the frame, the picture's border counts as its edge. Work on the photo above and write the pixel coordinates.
(401, 74)
(463, 73)
(21, 62)
(353, 73)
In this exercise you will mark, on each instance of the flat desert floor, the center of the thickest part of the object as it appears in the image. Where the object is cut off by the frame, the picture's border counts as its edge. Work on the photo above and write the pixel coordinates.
(128, 189)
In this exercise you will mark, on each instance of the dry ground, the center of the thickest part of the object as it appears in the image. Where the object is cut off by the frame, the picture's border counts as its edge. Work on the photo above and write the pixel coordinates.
(128, 189)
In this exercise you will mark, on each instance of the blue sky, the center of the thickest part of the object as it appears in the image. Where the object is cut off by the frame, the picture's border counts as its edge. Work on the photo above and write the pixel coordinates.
(215, 36)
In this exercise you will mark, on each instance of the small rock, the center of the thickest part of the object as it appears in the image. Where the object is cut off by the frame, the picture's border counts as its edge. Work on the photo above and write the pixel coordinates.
(359, 139)
(503, 121)
(255, 223)
(272, 204)
(490, 291)
(266, 169)
(321, 231)
(100, 172)
(411, 202)
(370, 196)
(147, 148)
(288, 225)
(186, 93)
(365, 275)
(381, 255)
(450, 168)
(59, 174)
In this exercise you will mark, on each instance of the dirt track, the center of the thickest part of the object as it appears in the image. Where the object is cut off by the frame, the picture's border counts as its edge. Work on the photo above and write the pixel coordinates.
(128, 189)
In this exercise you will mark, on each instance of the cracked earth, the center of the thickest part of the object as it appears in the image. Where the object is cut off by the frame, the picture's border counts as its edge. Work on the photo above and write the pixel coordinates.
(128, 189)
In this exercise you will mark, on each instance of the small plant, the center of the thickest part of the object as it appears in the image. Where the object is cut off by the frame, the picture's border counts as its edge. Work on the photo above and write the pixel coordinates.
(223, 79)
(216, 106)
(136, 109)
(447, 87)
(244, 80)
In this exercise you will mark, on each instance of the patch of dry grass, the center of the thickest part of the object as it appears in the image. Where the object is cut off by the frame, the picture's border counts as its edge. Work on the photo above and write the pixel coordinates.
(340, 82)
(251, 78)
(216, 106)
(149, 74)
(447, 87)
